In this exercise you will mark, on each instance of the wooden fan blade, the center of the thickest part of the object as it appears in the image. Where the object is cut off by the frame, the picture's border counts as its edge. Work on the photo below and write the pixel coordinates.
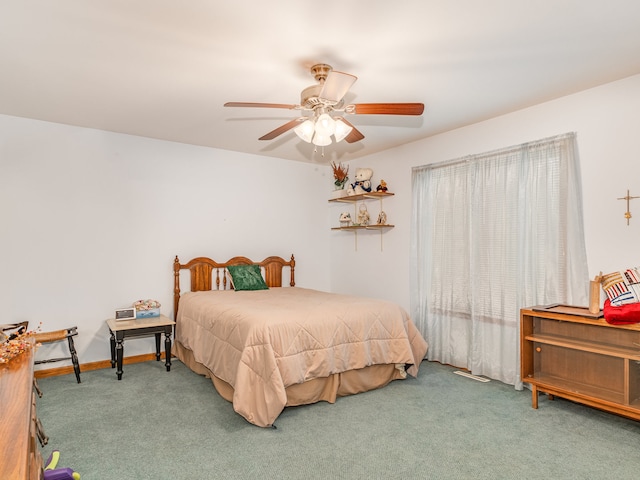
(336, 86)
(282, 129)
(385, 108)
(354, 135)
(260, 105)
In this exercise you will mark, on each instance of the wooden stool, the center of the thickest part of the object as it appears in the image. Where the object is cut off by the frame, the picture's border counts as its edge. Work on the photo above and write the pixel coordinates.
(58, 335)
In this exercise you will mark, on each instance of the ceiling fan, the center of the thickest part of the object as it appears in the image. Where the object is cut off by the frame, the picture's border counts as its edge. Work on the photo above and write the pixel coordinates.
(319, 101)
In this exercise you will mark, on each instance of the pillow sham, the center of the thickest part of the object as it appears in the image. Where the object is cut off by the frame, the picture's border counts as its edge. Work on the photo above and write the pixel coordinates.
(229, 280)
(247, 277)
(622, 287)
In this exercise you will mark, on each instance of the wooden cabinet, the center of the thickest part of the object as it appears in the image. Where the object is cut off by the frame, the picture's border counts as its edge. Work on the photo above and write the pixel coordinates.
(568, 352)
(19, 454)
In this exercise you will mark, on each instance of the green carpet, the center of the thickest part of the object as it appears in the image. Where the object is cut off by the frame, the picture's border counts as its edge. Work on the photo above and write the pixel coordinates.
(155, 424)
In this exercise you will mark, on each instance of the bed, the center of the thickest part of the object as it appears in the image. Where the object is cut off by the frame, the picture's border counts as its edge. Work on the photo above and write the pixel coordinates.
(277, 346)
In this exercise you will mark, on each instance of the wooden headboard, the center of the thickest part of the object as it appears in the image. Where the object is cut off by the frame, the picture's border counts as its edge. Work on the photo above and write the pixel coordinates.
(202, 274)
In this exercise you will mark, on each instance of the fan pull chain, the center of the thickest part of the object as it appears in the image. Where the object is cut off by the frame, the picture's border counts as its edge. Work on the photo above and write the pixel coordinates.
(315, 150)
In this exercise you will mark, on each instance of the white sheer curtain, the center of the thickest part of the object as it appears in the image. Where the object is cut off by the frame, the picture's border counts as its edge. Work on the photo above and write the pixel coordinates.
(493, 233)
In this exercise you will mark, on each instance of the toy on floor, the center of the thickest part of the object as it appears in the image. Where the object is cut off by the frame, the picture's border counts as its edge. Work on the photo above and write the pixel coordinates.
(53, 473)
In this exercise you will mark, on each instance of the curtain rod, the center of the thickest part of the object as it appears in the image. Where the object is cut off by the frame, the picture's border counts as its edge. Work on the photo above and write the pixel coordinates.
(500, 151)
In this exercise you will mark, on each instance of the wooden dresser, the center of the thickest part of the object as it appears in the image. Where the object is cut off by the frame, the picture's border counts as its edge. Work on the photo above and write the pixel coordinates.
(20, 457)
(568, 353)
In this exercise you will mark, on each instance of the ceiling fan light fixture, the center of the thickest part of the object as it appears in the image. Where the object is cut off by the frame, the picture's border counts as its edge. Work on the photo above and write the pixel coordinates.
(320, 100)
(325, 125)
(305, 130)
(342, 130)
(321, 140)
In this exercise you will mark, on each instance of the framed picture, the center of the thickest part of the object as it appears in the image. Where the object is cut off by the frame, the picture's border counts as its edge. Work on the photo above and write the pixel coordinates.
(126, 313)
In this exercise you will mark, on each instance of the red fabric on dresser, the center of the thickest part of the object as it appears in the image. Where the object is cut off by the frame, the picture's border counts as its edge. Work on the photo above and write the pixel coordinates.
(622, 315)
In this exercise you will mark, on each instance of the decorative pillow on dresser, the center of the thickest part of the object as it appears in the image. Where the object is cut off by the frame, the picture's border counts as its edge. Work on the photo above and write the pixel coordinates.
(622, 287)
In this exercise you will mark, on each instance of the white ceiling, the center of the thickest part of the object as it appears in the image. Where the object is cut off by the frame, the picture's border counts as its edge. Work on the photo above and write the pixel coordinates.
(163, 69)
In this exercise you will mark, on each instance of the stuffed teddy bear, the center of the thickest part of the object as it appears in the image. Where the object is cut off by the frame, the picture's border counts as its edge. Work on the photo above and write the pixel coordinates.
(362, 183)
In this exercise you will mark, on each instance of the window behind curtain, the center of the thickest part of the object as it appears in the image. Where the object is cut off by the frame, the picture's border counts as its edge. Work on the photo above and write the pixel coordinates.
(493, 233)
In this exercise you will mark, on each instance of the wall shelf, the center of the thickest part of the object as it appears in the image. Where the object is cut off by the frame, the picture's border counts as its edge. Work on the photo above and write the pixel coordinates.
(364, 227)
(364, 197)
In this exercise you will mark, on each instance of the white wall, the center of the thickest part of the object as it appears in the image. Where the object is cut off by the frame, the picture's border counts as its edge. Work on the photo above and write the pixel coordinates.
(607, 122)
(91, 221)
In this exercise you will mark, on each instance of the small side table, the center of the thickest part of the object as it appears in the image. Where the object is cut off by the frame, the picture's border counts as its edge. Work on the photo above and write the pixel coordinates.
(139, 327)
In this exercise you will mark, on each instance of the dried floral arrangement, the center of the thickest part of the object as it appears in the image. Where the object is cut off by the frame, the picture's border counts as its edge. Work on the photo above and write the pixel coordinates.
(340, 174)
(15, 345)
(18, 342)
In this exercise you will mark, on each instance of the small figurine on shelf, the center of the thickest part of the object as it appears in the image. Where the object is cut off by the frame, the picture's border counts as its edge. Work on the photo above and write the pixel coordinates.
(345, 219)
(363, 215)
(382, 218)
(382, 187)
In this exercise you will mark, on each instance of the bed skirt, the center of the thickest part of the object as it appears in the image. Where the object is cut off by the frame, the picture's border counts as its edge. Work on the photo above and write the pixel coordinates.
(320, 389)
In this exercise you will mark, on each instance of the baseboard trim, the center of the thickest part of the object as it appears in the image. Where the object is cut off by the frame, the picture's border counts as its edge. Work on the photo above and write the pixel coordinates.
(87, 367)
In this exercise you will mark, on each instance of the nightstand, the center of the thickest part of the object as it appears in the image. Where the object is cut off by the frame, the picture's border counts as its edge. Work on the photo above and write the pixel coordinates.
(139, 327)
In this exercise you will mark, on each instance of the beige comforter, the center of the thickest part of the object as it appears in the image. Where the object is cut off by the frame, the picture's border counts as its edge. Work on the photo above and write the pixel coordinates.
(261, 342)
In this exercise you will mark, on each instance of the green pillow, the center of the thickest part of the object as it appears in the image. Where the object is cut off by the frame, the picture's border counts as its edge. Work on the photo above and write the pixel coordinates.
(247, 277)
